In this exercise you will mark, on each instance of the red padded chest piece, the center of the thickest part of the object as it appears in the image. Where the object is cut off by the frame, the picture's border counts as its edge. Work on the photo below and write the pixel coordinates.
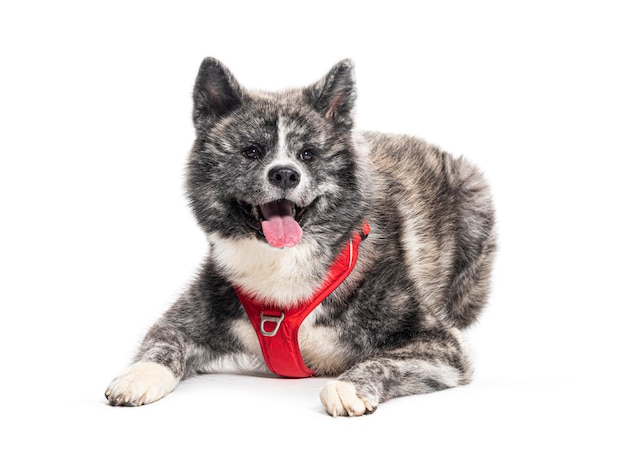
(277, 329)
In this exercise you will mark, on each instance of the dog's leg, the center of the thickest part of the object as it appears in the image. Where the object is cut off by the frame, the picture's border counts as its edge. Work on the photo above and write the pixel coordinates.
(158, 367)
(196, 335)
(435, 361)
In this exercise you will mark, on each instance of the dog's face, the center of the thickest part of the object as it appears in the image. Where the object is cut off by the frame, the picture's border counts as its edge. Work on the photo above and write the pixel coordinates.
(275, 166)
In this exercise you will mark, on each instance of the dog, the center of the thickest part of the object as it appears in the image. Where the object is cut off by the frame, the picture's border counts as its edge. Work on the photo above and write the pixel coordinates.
(359, 256)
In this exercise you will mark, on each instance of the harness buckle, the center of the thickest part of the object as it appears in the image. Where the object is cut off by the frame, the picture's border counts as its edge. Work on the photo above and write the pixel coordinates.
(275, 319)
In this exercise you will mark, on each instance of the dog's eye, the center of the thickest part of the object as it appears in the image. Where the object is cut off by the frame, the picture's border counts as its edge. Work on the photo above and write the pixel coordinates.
(252, 152)
(307, 155)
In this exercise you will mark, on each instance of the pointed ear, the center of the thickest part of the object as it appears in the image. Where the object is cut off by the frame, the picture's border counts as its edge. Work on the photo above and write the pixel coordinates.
(334, 95)
(215, 94)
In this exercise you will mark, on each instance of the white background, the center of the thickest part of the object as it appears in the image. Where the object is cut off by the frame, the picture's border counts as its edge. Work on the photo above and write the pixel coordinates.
(97, 240)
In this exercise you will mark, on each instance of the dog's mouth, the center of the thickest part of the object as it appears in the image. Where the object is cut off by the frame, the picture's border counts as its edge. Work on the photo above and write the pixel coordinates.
(279, 221)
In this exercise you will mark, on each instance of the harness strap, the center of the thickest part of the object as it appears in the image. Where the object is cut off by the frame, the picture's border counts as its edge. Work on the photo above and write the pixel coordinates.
(277, 329)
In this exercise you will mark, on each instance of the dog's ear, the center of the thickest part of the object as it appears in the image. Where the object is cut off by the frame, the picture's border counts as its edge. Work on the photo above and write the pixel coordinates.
(334, 95)
(215, 94)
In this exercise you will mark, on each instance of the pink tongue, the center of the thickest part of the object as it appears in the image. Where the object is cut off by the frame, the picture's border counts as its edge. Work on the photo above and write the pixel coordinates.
(281, 231)
(280, 228)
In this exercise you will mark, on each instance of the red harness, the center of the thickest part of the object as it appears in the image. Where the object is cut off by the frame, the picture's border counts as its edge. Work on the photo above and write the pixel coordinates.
(277, 329)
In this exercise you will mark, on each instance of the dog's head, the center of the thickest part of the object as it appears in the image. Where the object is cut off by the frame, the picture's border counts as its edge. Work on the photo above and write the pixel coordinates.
(276, 166)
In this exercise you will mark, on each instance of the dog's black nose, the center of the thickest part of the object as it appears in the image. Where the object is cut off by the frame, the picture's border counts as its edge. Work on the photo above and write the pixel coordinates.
(284, 177)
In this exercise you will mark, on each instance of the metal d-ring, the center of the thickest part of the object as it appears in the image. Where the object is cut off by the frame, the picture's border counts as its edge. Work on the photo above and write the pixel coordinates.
(276, 319)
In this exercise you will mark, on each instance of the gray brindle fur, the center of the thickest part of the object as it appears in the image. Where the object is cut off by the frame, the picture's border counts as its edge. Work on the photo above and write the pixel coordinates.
(393, 327)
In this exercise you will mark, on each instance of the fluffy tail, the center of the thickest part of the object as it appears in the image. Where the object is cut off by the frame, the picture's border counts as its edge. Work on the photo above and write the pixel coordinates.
(476, 244)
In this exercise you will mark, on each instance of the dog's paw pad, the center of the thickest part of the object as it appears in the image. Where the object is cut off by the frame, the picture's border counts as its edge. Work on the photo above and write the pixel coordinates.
(340, 398)
(142, 383)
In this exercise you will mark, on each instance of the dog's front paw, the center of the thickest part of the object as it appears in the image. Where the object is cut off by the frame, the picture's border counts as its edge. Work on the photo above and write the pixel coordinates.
(142, 383)
(341, 398)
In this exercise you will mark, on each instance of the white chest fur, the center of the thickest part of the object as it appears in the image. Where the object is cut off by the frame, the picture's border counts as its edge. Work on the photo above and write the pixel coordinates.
(284, 276)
